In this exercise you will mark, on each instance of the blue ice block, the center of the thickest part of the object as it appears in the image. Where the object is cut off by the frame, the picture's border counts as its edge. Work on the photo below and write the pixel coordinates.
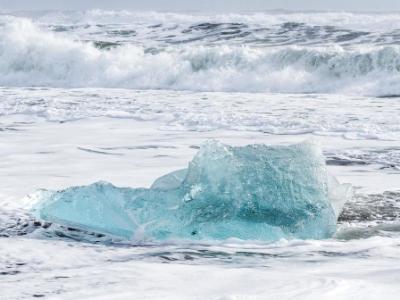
(255, 192)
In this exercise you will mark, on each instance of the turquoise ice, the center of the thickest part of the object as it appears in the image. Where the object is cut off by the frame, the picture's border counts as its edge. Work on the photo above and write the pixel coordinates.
(255, 192)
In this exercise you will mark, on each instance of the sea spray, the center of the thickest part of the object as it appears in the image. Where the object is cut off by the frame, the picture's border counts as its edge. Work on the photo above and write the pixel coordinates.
(33, 56)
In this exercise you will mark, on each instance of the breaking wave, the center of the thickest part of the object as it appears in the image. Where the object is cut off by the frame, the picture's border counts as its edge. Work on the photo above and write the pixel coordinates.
(30, 56)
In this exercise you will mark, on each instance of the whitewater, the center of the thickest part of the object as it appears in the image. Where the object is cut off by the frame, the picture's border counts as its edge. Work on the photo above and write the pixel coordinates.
(199, 55)
(105, 102)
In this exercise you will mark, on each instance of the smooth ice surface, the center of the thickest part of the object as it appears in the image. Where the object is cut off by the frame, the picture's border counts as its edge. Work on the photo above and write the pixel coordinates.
(254, 192)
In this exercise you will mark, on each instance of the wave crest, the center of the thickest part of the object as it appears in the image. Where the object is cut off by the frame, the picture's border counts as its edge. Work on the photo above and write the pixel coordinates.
(30, 56)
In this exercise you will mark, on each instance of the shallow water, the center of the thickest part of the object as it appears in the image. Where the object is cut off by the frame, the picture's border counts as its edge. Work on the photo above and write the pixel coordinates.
(68, 117)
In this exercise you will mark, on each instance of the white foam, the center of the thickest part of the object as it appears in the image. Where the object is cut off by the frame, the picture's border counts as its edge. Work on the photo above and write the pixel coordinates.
(354, 118)
(30, 56)
(323, 269)
(358, 21)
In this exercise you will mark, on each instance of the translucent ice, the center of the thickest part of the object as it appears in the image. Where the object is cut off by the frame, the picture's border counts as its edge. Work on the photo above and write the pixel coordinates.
(254, 192)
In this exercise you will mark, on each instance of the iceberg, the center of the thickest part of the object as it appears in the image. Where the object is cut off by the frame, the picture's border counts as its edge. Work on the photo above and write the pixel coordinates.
(255, 192)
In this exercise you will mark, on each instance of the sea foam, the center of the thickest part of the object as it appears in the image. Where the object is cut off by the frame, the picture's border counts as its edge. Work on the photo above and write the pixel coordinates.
(30, 56)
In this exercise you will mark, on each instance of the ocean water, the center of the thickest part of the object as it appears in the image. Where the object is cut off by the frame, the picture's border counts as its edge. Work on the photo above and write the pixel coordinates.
(127, 97)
